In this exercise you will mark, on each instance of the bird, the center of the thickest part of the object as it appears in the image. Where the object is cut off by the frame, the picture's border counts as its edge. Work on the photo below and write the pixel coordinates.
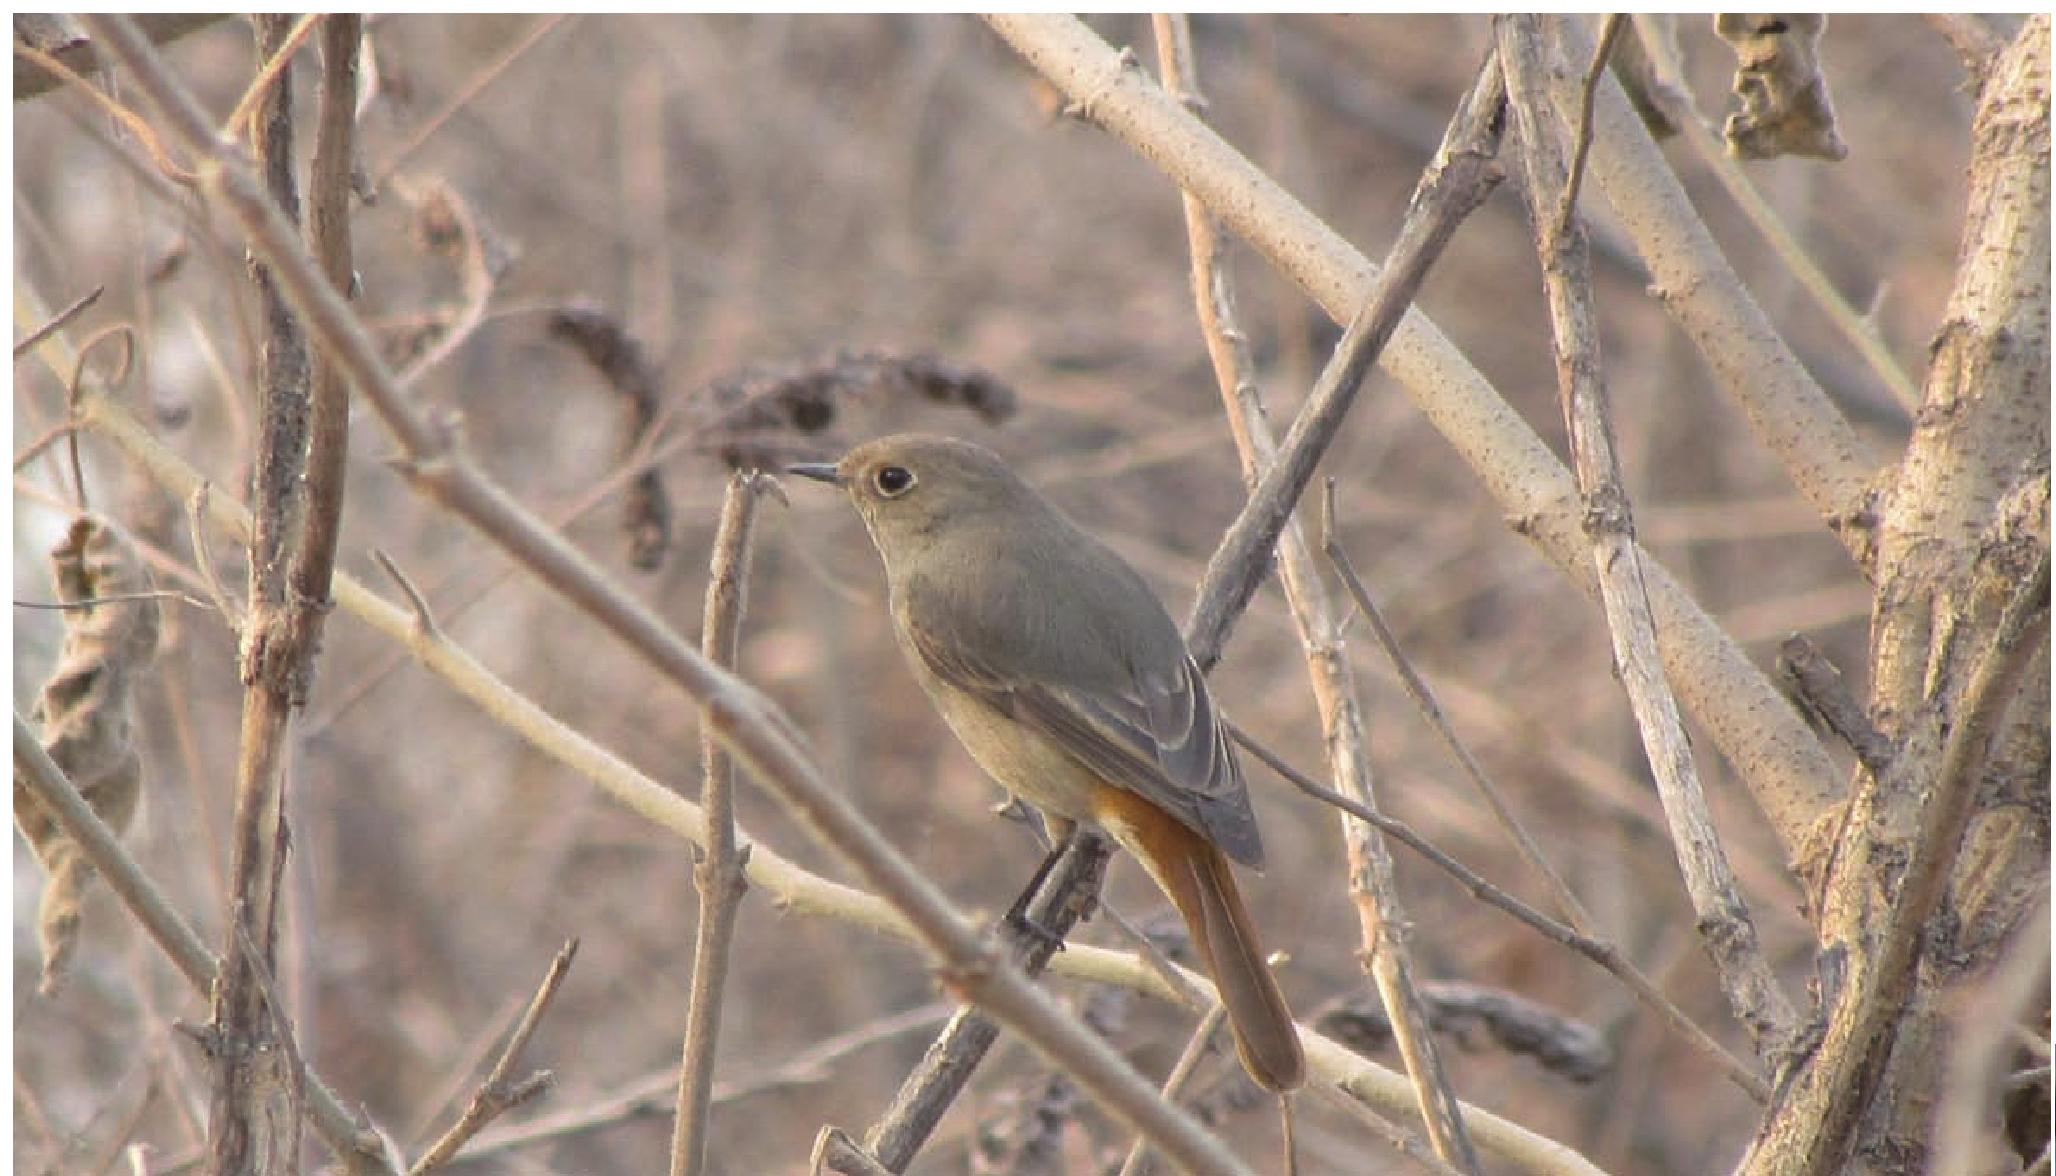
(1062, 675)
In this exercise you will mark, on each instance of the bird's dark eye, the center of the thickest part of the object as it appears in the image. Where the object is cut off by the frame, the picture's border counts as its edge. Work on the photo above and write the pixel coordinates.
(893, 481)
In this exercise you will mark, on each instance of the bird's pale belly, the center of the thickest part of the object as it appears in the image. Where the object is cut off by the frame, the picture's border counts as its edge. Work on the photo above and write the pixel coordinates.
(1022, 761)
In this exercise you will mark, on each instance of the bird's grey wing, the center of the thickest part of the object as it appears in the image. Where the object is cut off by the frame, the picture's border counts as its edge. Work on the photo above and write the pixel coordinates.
(1159, 738)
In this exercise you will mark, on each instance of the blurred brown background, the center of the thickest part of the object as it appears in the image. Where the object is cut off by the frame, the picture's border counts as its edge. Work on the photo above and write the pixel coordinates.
(767, 190)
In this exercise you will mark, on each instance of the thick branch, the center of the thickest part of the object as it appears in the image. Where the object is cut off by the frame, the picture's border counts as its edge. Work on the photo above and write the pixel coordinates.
(1963, 561)
(244, 1032)
(1785, 407)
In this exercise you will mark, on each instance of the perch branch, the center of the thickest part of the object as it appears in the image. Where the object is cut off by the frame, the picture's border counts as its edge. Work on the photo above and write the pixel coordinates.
(719, 872)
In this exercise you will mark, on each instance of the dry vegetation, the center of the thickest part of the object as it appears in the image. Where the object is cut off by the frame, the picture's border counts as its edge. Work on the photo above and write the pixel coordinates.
(757, 193)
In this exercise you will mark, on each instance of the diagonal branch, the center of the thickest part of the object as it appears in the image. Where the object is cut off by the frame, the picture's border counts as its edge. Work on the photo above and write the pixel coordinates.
(1456, 182)
(1786, 408)
(1068, 886)
(498, 1094)
(1724, 923)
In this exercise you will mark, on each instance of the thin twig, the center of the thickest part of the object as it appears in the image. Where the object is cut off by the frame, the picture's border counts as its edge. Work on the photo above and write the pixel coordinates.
(1403, 833)
(719, 872)
(424, 617)
(1398, 1138)
(128, 119)
(1456, 183)
(464, 97)
(73, 386)
(652, 1094)
(497, 1095)
(36, 448)
(58, 321)
(203, 558)
(438, 202)
(1197, 1047)
(1609, 35)
(274, 68)
(77, 51)
(118, 598)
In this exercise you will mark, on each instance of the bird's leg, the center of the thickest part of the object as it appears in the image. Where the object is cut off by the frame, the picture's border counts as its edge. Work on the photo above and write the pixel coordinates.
(1064, 831)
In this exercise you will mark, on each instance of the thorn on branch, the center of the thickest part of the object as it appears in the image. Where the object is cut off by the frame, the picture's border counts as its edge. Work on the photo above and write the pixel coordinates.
(424, 617)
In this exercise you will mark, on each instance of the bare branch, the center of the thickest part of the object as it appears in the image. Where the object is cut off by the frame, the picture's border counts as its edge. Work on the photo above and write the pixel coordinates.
(1061, 895)
(498, 1094)
(247, 1093)
(719, 873)
(57, 323)
(1455, 184)
(1724, 922)
(465, 96)
(70, 48)
(1853, 325)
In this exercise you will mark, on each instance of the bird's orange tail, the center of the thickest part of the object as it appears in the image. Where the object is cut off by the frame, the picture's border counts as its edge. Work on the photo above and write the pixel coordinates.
(1200, 880)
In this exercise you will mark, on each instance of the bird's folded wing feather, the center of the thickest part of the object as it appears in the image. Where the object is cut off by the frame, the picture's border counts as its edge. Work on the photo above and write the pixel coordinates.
(1158, 739)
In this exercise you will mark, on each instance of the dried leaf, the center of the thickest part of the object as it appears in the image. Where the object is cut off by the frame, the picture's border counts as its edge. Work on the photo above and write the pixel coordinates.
(754, 418)
(1785, 107)
(86, 715)
(606, 344)
(1477, 1017)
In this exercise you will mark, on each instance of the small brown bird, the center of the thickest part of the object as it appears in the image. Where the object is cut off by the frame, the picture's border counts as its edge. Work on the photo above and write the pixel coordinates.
(1063, 676)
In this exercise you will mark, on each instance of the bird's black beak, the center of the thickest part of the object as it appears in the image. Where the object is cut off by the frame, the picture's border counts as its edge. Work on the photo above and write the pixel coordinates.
(819, 471)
